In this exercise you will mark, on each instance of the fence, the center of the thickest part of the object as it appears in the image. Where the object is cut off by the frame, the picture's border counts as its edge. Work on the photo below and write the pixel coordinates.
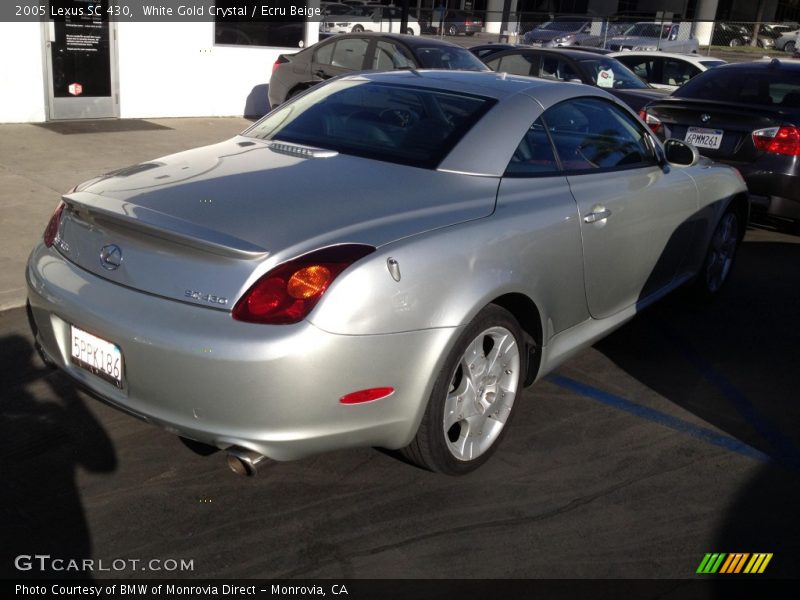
(642, 32)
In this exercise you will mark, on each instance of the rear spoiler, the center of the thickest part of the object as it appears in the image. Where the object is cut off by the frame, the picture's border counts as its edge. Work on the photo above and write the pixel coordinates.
(158, 224)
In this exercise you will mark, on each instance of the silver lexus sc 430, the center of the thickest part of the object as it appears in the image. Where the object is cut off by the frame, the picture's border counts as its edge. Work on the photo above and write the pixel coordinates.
(385, 260)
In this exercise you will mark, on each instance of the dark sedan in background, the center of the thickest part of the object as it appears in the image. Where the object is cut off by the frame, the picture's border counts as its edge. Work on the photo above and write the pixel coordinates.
(577, 66)
(746, 115)
(341, 54)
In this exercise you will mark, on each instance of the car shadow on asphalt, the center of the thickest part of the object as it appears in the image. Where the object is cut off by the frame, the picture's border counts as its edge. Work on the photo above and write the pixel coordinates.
(733, 363)
(46, 435)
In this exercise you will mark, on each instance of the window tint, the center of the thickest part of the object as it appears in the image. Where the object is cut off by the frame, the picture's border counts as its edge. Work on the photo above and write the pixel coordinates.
(324, 54)
(610, 73)
(760, 87)
(534, 155)
(349, 53)
(516, 64)
(556, 68)
(389, 57)
(381, 121)
(439, 57)
(279, 31)
(642, 67)
(590, 134)
(678, 72)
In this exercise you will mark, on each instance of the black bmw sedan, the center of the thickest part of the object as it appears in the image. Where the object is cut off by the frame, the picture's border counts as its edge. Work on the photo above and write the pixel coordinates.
(746, 115)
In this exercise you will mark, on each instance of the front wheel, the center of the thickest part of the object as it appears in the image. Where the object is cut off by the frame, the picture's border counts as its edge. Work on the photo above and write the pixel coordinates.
(735, 42)
(357, 29)
(721, 254)
(789, 47)
(452, 30)
(409, 31)
(470, 405)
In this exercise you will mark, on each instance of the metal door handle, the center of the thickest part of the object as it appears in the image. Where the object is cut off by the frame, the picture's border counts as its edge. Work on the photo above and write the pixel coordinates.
(597, 215)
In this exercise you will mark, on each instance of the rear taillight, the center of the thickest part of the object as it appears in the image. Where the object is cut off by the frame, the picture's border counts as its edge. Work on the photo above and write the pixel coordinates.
(654, 123)
(468, 23)
(778, 140)
(275, 66)
(290, 291)
(51, 231)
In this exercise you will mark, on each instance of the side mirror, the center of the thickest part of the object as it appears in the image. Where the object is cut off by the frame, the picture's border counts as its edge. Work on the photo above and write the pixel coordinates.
(680, 154)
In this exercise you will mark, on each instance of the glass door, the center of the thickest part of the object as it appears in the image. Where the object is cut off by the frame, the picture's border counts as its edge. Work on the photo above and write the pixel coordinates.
(81, 61)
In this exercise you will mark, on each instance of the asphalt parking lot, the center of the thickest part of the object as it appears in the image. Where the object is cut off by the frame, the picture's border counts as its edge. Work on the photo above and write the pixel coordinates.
(675, 437)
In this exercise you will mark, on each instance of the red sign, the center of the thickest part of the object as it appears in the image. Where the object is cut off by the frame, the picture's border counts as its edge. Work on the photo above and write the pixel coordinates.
(76, 89)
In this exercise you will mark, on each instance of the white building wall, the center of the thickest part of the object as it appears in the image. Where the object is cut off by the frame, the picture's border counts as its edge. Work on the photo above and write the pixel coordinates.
(175, 70)
(22, 91)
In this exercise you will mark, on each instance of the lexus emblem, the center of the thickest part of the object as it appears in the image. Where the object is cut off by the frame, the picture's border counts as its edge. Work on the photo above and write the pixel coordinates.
(705, 117)
(111, 257)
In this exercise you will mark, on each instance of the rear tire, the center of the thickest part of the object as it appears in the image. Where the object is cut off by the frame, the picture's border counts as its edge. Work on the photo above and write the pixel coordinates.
(452, 30)
(470, 406)
(720, 255)
(357, 29)
(735, 42)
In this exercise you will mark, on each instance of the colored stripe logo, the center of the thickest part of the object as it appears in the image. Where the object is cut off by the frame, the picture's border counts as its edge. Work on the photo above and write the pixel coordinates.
(736, 562)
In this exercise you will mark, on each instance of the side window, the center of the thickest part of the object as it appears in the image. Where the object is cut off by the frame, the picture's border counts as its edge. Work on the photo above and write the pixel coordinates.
(349, 53)
(389, 57)
(644, 68)
(556, 68)
(534, 155)
(515, 64)
(324, 54)
(591, 134)
(678, 72)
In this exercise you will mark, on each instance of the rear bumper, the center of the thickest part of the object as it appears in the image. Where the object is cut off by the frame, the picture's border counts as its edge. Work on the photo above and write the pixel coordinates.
(198, 373)
(777, 193)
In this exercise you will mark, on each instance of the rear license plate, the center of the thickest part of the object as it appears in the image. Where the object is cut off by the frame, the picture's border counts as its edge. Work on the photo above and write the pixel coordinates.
(704, 138)
(96, 355)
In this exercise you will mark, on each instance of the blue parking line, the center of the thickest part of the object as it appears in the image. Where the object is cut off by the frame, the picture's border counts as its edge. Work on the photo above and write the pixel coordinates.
(785, 451)
(663, 419)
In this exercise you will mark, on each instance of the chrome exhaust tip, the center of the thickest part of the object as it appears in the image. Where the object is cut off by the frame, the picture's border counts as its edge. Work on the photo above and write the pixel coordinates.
(244, 462)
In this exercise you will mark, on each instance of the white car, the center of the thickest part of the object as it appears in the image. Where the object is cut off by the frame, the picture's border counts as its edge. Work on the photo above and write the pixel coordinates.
(384, 19)
(666, 70)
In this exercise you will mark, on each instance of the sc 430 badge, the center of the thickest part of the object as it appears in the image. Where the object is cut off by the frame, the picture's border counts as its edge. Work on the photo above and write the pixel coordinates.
(203, 297)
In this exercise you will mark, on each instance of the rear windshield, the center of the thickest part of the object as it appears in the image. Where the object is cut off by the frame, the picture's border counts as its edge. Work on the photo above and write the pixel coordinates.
(438, 57)
(760, 87)
(390, 122)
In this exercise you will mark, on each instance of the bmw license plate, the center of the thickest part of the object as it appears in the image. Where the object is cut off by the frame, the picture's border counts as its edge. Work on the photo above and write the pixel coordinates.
(96, 355)
(704, 138)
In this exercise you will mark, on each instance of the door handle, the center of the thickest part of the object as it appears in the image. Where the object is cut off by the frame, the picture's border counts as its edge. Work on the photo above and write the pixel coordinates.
(597, 215)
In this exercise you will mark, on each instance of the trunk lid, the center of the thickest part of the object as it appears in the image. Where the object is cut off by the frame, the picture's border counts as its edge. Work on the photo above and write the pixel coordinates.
(735, 120)
(201, 225)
